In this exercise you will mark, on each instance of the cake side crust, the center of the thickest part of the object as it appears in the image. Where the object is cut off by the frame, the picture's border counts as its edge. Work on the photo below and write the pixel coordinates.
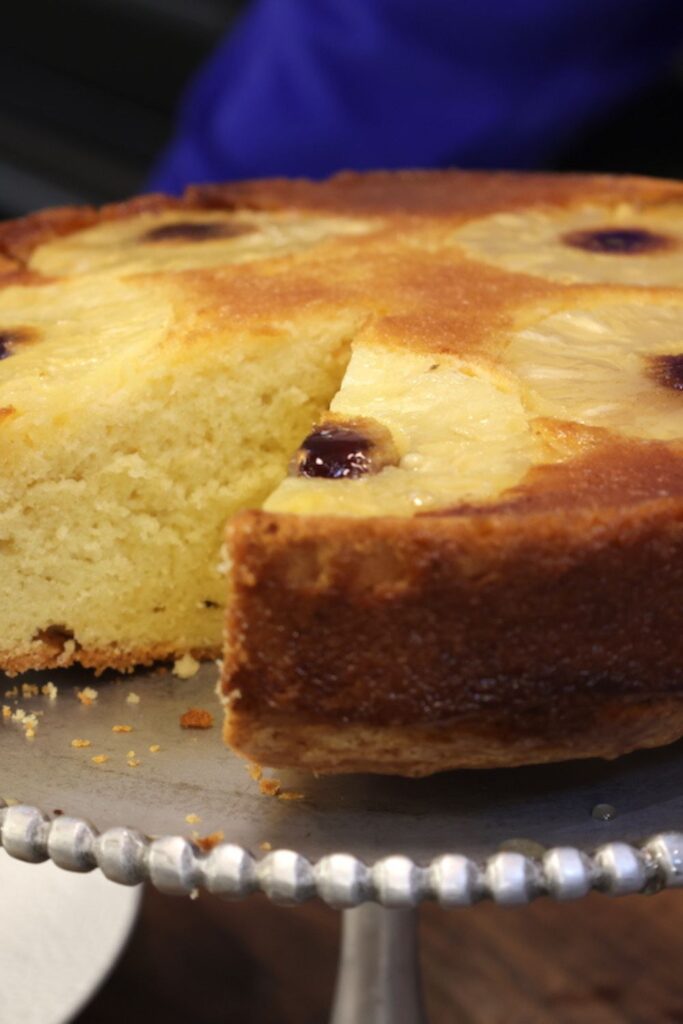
(534, 621)
(45, 655)
(607, 730)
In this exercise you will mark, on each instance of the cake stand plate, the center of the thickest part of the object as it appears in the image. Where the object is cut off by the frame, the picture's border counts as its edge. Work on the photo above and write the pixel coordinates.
(144, 814)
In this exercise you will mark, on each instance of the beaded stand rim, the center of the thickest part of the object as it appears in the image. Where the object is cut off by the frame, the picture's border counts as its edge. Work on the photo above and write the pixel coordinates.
(176, 865)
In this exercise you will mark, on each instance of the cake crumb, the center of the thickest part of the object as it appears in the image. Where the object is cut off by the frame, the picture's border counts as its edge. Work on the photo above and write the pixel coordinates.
(290, 794)
(99, 759)
(49, 690)
(269, 787)
(155, 748)
(87, 695)
(133, 761)
(132, 698)
(14, 692)
(196, 718)
(80, 743)
(207, 843)
(29, 690)
(28, 722)
(185, 667)
(265, 845)
(255, 770)
(122, 728)
(192, 819)
(194, 894)
(6, 711)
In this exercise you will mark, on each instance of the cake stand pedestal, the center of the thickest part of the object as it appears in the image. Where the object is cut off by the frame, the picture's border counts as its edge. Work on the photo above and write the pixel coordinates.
(143, 809)
(379, 972)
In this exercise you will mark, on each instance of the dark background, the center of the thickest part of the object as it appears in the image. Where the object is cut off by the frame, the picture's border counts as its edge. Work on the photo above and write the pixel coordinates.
(88, 90)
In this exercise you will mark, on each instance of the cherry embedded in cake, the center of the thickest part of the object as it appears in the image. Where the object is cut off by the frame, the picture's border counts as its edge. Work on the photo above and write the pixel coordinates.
(618, 241)
(668, 371)
(194, 231)
(336, 450)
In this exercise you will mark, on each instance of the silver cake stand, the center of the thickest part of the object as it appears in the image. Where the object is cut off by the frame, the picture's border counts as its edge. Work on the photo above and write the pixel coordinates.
(373, 847)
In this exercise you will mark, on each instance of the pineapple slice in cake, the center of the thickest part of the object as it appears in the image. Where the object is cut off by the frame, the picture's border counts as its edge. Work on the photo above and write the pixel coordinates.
(615, 363)
(184, 239)
(623, 244)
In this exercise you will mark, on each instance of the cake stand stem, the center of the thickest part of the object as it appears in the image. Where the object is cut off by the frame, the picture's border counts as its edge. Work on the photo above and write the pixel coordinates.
(378, 981)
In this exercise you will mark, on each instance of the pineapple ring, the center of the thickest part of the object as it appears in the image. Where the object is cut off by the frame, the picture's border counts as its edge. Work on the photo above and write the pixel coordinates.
(548, 244)
(187, 240)
(614, 364)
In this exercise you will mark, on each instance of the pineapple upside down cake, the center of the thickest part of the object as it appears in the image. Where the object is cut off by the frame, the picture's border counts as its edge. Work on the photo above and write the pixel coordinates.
(406, 450)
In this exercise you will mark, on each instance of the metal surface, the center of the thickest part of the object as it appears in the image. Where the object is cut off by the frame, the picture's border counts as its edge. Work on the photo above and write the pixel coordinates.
(508, 835)
(379, 975)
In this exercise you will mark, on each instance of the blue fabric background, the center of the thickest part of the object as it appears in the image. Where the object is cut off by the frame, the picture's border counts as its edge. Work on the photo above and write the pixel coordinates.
(308, 87)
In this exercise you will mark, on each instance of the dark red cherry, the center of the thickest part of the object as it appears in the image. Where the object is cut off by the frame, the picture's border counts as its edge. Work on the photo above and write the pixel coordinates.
(668, 371)
(9, 339)
(617, 241)
(194, 231)
(333, 451)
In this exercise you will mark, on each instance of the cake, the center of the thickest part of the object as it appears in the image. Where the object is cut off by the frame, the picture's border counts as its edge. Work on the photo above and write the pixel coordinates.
(442, 417)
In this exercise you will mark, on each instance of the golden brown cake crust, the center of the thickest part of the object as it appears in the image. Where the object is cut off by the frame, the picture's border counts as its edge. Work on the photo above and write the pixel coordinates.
(45, 656)
(494, 635)
(424, 620)
(613, 728)
(437, 193)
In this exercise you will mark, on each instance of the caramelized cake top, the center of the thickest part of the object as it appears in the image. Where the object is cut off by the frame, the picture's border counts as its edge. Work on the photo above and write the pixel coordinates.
(504, 326)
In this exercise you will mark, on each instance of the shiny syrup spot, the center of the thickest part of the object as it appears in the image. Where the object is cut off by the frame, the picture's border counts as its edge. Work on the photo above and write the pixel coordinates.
(194, 231)
(667, 371)
(334, 452)
(617, 241)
